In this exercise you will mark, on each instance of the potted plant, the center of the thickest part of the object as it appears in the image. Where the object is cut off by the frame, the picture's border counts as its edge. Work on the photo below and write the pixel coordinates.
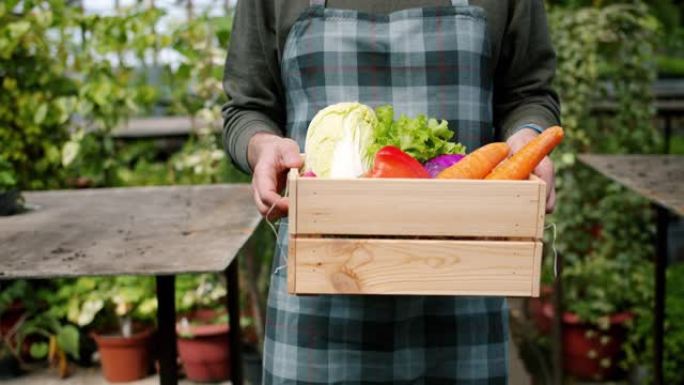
(11, 201)
(120, 312)
(32, 332)
(600, 299)
(203, 327)
(639, 345)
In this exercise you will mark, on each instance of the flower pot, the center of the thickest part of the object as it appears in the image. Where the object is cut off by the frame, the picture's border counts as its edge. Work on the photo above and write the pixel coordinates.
(11, 202)
(203, 347)
(124, 359)
(9, 366)
(590, 353)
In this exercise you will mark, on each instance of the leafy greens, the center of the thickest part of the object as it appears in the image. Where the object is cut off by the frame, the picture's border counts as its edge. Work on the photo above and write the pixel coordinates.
(420, 137)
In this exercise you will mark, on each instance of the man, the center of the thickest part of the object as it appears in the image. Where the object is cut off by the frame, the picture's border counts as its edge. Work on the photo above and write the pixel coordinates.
(483, 65)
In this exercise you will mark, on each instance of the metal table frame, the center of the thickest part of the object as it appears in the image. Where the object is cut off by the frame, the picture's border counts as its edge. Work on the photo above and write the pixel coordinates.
(166, 321)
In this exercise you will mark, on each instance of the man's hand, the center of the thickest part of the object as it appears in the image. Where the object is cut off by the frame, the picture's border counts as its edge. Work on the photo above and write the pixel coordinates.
(271, 157)
(544, 169)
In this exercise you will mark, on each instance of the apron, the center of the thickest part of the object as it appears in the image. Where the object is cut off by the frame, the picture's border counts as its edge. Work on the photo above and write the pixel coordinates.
(433, 61)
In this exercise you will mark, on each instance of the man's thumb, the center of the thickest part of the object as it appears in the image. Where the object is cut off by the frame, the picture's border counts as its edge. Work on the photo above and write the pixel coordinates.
(292, 158)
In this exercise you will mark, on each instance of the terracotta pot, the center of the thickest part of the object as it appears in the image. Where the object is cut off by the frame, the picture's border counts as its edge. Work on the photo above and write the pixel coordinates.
(124, 359)
(590, 353)
(203, 347)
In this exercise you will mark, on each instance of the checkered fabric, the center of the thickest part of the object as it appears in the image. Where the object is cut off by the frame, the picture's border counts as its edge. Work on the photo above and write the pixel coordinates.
(422, 60)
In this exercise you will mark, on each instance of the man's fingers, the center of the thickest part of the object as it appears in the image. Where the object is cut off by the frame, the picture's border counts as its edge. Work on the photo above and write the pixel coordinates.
(546, 173)
(289, 155)
(551, 201)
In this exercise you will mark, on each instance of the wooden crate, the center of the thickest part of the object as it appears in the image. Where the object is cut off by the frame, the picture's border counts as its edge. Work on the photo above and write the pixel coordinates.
(415, 236)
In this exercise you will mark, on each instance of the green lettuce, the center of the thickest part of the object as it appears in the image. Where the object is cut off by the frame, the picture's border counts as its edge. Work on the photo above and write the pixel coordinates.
(420, 137)
(338, 141)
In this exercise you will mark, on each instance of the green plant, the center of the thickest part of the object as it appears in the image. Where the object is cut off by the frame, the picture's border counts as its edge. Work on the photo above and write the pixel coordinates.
(107, 303)
(598, 219)
(46, 334)
(37, 99)
(199, 291)
(596, 288)
(639, 346)
(7, 179)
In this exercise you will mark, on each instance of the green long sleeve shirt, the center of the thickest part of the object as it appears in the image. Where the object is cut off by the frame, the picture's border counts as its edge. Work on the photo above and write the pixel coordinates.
(523, 64)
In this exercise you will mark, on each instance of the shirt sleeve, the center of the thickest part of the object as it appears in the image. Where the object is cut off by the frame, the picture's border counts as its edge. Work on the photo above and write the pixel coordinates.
(251, 80)
(523, 94)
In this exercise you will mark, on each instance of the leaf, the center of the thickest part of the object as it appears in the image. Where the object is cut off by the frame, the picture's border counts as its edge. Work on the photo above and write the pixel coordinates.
(67, 339)
(39, 350)
(70, 152)
(89, 310)
(19, 28)
(40, 114)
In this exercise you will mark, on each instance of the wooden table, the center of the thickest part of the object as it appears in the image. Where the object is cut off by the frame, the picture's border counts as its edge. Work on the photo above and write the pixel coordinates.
(659, 178)
(160, 231)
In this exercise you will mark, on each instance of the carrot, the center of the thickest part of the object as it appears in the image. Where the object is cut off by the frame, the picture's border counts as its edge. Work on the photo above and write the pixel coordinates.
(523, 162)
(477, 164)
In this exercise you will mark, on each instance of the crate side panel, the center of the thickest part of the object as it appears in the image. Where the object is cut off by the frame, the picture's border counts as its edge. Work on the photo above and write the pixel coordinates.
(292, 178)
(423, 267)
(418, 207)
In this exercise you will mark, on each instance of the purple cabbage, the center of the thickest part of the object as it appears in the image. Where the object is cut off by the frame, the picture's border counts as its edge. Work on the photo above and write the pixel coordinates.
(435, 165)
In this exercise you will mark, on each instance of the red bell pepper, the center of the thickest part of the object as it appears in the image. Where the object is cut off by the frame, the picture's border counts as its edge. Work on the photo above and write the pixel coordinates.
(391, 162)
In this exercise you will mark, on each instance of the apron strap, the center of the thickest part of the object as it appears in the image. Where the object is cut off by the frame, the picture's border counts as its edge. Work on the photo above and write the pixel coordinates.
(321, 3)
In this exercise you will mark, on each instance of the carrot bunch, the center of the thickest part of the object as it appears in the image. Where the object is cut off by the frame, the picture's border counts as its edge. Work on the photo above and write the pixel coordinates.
(491, 162)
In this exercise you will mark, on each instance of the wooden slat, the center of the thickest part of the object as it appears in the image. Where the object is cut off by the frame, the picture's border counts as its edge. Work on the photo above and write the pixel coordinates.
(414, 207)
(541, 207)
(292, 228)
(422, 267)
(536, 268)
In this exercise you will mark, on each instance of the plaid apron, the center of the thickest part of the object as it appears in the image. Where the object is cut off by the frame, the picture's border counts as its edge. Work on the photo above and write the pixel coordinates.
(421, 60)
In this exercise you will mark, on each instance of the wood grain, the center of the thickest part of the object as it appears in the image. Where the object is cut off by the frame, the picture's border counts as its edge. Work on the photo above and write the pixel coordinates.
(412, 207)
(423, 267)
(292, 228)
(659, 178)
(141, 230)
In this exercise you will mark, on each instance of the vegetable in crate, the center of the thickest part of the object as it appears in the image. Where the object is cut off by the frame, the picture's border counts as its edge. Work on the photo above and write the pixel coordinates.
(391, 162)
(477, 164)
(338, 141)
(523, 162)
(435, 165)
(420, 137)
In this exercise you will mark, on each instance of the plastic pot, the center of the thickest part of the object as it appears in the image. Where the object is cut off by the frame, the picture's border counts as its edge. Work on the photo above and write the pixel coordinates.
(203, 347)
(124, 359)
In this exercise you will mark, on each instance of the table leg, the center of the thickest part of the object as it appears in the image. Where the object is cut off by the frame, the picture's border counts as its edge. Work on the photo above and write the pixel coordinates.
(166, 324)
(659, 318)
(235, 334)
